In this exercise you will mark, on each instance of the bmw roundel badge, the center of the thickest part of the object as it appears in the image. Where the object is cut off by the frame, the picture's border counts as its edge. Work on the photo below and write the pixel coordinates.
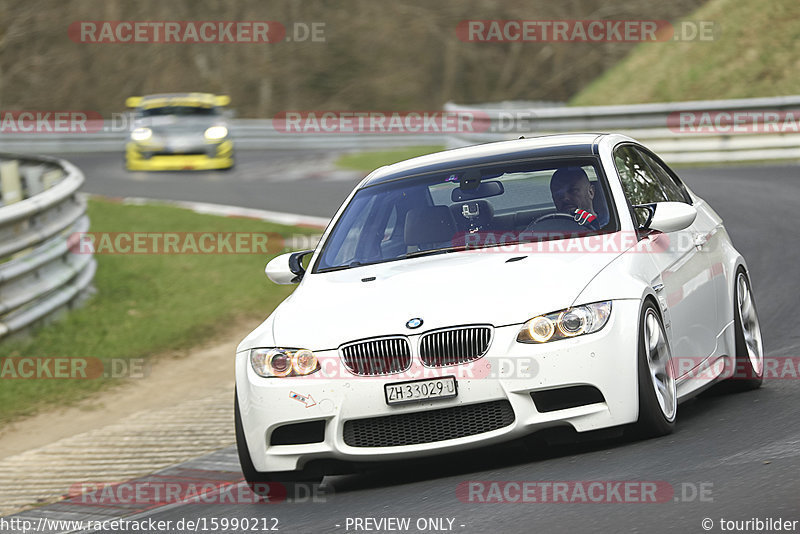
(416, 322)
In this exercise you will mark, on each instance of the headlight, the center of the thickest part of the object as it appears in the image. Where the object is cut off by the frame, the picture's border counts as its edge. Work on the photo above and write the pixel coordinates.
(216, 132)
(563, 324)
(278, 363)
(141, 134)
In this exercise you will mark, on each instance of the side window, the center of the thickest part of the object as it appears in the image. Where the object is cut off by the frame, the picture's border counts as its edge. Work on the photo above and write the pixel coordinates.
(638, 182)
(673, 190)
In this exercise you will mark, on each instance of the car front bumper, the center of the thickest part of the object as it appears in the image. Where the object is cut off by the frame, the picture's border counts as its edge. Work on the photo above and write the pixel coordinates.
(605, 360)
(221, 158)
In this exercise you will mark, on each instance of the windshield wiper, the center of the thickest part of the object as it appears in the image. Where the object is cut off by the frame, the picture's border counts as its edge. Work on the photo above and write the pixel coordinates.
(464, 247)
(348, 266)
(418, 253)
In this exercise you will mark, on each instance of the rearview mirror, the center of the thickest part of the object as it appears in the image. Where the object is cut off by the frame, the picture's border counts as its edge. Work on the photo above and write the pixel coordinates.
(484, 190)
(287, 268)
(670, 216)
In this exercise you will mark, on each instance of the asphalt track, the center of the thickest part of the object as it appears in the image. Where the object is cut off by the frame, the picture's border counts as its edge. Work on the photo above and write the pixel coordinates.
(292, 182)
(744, 447)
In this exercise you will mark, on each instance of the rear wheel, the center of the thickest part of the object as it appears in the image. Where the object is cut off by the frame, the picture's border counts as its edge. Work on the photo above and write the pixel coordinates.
(658, 397)
(276, 486)
(749, 372)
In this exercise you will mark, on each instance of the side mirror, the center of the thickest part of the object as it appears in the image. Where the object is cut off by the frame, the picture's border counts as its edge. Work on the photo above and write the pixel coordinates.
(669, 216)
(287, 268)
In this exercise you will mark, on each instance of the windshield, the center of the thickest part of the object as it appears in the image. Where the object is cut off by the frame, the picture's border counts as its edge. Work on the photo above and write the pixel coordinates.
(190, 111)
(469, 208)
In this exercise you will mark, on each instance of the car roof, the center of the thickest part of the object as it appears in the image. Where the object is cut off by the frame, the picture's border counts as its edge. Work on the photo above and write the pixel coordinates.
(166, 99)
(178, 95)
(545, 146)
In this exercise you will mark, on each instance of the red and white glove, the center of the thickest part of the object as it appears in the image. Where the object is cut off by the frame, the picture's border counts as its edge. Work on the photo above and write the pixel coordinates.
(583, 217)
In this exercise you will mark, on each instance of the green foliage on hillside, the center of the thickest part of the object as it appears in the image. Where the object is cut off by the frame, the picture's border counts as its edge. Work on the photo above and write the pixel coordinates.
(755, 52)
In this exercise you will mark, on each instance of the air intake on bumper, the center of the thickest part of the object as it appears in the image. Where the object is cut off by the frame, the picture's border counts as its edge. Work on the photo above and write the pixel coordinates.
(428, 426)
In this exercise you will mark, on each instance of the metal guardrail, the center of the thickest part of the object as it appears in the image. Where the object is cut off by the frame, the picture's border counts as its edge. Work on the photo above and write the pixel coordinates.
(246, 134)
(656, 125)
(39, 274)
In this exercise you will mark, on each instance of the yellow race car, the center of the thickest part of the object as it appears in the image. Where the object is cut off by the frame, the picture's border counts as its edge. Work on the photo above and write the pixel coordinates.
(178, 131)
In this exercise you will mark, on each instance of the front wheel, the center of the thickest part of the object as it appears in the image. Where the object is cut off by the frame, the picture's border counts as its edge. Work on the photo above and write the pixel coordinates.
(658, 396)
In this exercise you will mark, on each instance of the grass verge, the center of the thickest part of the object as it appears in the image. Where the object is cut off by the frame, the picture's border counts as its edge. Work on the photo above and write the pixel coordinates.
(146, 303)
(754, 53)
(371, 160)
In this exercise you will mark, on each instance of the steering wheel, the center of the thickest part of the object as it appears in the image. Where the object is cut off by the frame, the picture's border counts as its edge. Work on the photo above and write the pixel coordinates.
(558, 223)
(557, 215)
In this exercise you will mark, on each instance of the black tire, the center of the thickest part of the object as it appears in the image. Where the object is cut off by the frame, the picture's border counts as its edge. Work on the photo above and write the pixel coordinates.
(745, 376)
(652, 421)
(277, 486)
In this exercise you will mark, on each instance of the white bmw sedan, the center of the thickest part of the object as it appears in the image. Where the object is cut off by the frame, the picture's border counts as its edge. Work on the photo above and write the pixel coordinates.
(481, 294)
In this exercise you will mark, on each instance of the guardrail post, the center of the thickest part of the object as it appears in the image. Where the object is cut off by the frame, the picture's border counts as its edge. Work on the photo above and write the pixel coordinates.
(33, 180)
(50, 178)
(10, 182)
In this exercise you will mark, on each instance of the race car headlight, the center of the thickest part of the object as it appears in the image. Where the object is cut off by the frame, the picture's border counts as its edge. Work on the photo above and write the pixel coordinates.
(563, 324)
(215, 132)
(278, 363)
(141, 134)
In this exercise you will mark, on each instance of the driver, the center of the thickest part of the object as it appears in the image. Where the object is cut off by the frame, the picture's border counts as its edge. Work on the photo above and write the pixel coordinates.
(574, 194)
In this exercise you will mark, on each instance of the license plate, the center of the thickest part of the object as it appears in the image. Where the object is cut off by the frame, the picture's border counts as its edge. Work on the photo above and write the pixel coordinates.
(180, 146)
(421, 390)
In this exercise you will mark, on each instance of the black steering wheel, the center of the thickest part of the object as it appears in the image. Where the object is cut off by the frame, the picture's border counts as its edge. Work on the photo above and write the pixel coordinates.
(558, 226)
(557, 215)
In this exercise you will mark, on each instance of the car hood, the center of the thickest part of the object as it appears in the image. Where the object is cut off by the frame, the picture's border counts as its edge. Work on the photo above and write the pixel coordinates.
(458, 288)
(172, 125)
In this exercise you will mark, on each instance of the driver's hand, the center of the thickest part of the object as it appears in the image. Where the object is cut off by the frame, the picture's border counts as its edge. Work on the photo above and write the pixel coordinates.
(584, 217)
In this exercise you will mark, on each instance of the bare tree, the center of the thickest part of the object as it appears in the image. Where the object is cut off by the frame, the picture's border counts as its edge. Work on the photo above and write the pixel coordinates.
(376, 55)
